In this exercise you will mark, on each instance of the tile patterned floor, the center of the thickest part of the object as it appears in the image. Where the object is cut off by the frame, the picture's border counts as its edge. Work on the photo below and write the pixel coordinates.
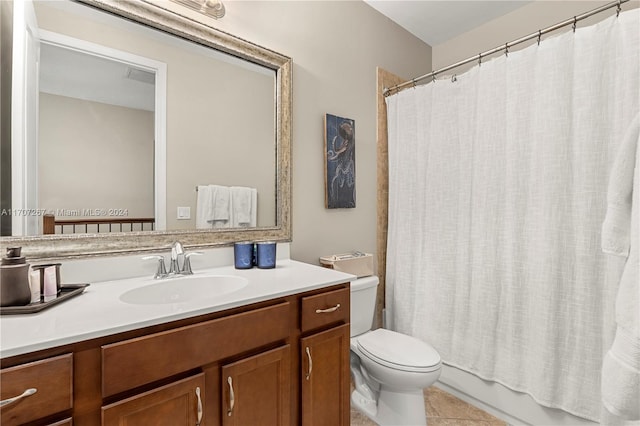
(443, 409)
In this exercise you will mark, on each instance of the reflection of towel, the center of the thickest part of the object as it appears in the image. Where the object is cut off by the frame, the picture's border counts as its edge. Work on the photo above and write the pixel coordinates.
(204, 203)
(620, 236)
(243, 206)
(212, 207)
(220, 207)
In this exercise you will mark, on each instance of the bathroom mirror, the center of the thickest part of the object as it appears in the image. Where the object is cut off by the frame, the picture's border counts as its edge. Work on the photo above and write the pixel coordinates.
(195, 152)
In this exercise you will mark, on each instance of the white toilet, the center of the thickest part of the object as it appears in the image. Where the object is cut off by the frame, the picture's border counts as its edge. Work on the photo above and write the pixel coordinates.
(390, 369)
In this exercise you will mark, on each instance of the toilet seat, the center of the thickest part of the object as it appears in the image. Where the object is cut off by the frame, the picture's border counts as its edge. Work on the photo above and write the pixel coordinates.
(399, 351)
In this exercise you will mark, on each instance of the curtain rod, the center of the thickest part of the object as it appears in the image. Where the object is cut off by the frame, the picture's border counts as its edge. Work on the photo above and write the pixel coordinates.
(571, 21)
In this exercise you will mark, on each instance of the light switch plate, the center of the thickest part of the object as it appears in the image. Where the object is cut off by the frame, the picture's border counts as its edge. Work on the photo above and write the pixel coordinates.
(184, 213)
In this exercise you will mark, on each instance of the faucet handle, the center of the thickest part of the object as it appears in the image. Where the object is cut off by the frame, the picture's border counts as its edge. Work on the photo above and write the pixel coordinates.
(162, 270)
(186, 267)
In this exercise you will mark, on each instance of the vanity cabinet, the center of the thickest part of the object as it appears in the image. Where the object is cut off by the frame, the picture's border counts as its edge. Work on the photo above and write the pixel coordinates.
(243, 366)
(324, 351)
(133, 363)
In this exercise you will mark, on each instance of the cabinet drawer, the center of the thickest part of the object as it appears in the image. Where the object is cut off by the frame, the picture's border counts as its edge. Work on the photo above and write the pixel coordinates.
(325, 308)
(135, 362)
(53, 380)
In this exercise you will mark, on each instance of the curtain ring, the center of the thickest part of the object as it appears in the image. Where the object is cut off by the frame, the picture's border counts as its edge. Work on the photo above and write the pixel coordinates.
(618, 8)
(479, 59)
(506, 49)
(454, 78)
(413, 82)
(434, 77)
(575, 23)
(539, 36)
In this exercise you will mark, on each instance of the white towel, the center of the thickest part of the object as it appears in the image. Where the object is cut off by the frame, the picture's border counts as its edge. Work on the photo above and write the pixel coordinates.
(243, 206)
(220, 209)
(620, 237)
(204, 203)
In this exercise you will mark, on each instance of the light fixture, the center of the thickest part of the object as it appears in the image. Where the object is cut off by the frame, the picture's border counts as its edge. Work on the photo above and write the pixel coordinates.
(212, 8)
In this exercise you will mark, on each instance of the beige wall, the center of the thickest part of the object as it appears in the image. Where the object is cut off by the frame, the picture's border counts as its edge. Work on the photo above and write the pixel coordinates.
(72, 159)
(519, 23)
(336, 47)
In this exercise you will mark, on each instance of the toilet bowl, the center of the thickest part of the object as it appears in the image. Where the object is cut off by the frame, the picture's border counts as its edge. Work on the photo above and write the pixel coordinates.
(390, 369)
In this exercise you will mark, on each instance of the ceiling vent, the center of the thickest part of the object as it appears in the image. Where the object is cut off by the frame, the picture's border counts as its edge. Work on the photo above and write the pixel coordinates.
(141, 75)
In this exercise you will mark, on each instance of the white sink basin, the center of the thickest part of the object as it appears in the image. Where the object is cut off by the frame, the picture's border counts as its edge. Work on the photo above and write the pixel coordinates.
(184, 289)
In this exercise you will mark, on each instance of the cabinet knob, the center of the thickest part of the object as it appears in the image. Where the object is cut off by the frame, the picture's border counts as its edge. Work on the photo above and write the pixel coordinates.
(308, 351)
(328, 310)
(24, 394)
(199, 406)
(232, 397)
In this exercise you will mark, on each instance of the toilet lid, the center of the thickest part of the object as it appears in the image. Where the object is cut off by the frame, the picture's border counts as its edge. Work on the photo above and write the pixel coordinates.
(399, 351)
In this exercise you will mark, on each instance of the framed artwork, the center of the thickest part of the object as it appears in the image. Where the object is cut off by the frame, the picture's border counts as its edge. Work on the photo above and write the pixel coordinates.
(340, 162)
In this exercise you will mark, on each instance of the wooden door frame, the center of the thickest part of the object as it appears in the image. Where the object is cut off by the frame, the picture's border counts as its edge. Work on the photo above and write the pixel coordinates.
(385, 79)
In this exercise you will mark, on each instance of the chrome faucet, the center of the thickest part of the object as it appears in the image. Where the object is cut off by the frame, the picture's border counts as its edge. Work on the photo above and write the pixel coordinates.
(176, 252)
(175, 267)
(161, 272)
(186, 266)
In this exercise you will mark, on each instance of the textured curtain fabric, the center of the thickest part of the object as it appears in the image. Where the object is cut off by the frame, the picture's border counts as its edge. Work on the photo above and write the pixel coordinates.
(497, 193)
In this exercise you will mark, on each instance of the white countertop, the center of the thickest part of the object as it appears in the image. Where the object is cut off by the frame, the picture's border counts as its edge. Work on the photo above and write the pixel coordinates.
(99, 312)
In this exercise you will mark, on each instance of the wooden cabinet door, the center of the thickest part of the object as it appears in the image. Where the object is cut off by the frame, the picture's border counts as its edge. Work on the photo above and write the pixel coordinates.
(325, 377)
(176, 404)
(256, 390)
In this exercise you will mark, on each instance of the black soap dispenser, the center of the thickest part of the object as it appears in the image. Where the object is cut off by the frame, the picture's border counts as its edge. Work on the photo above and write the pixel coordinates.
(14, 279)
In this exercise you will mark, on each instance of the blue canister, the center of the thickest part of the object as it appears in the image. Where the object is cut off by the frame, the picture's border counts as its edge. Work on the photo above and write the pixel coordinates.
(266, 255)
(243, 255)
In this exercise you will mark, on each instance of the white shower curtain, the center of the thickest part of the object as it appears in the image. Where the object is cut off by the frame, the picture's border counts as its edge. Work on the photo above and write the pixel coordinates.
(497, 193)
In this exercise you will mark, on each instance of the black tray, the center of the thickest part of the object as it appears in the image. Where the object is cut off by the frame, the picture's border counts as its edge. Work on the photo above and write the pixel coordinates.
(67, 291)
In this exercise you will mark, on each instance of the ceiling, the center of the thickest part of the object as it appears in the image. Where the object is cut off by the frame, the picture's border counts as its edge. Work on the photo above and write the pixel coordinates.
(437, 21)
(75, 74)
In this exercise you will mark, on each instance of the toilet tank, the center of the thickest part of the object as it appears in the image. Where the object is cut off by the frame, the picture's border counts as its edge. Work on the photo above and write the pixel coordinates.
(363, 304)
